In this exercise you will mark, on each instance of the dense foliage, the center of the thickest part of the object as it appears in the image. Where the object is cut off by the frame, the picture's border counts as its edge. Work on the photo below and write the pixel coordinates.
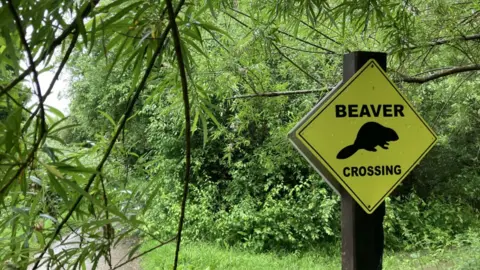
(114, 167)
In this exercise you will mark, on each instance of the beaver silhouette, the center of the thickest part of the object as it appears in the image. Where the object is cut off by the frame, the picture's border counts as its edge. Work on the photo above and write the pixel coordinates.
(370, 135)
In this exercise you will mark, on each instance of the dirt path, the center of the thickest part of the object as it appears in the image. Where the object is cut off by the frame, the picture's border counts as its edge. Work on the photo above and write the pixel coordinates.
(118, 253)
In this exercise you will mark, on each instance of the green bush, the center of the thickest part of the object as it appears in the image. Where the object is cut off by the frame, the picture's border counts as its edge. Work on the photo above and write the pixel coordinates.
(307, 216)
(302, 217)
(413, 223)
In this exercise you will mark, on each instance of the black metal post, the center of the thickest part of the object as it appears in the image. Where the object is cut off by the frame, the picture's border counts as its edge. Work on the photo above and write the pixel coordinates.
(362, 233)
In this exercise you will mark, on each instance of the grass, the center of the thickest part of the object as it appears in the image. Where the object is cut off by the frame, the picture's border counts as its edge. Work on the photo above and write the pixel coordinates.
(210, 256)
(207, 256)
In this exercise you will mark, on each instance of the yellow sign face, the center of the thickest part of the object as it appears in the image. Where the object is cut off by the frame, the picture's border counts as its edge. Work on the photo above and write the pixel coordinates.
(365, 135)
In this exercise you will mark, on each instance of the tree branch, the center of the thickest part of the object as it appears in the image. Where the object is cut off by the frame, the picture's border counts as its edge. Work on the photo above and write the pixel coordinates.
(282, 93)
(237, 20)
(300, 50)
(403, 78)
(134, 37)
(20, 170)
(316, 30)
(36, 144)
(327, 51)
(469, 18)
(278, 50)
(31, 155)
(18, 103)
(437, 75)
(120, 127)
(442, 41)
(73, 26)
(59, 71)
(108, 228)
(23, 39)
(183, 77)
(449, 98)
(295, 64)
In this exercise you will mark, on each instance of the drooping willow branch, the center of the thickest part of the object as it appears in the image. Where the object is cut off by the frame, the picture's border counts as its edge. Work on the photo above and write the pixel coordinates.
(23, 166)
(319, 32)
(237, 20)
(113, 140)
(108, 227)
(183, 78)
(295, 64)
(41, 134)
(21, 32)
(18, 103)
(278, 49)
(58, 72)
(327, 51)
(87, 8)
(36, 144)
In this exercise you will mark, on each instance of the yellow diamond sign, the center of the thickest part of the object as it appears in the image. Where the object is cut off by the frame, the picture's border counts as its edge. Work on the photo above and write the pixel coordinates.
(365, 136)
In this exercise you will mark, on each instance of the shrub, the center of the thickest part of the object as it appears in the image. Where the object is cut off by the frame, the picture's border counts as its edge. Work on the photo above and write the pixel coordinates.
(414, 223)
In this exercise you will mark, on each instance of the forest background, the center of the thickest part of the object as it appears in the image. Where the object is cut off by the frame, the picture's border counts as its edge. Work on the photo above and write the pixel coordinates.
(199, 96)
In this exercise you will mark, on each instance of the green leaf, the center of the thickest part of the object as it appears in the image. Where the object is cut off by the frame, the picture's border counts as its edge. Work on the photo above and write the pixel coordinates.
(150, 198)
(58, 188)
(36, 180)
(81, 29)
(35, 206)
(39, 237)
(70, 168)
(50, 152)
(210, 27)
(108, 117)
(134, 250)
(119, 14)
(52, 170)
(195, 120)
(13, 124)
(210, 115)
(12, 51)
(55, 138)
(81, 191)
(93, 33)
(106, 8)
(117, 55)
(55, 111)
(49, 217)
(128, 62)
(193, 33)
(205, 130)
(210, 6)
(122, 235)
(51, 132)
(137, 67)
(56, 124)
(95, 224)
(195, 46)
